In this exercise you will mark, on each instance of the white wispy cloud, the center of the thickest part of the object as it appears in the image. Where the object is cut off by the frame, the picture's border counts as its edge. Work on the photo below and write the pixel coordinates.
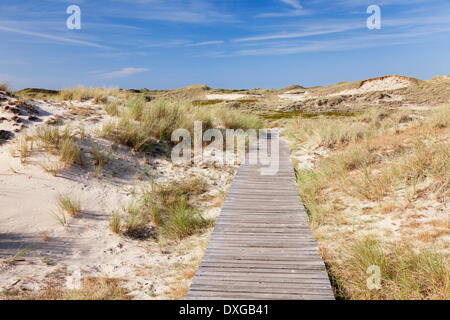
(296, 34)
(185, 11)
(296, 10)
(205, 43)
(55, 38)
(182, 43)
(358, 42)
(167, 44)
(125, 72)
(294, 3)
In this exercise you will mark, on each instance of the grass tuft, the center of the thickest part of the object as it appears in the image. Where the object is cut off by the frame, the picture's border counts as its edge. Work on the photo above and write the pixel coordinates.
(406, 274)
(62, 143)
(100, 159)
(167, 212)
(112, 109)
(92, 288)
(68, 204)
(116, 223)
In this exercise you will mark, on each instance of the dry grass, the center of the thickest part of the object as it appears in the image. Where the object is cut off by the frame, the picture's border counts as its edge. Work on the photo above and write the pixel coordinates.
(136, 107)
(440, 117)
(172, 212)
(70, 152)
(379, 164)
(112, 109)
(25, 147)
(66, 145)
(98, 95)
(18, 255)
(101, 159)
(141, 123)
(128, 132)
(405, 273)
(92, 288)
(115, 223)
(49, 137)
(233, 119)
(53, 140)
(52, 168)
(62, 143)
(68, 204)
(166, 212)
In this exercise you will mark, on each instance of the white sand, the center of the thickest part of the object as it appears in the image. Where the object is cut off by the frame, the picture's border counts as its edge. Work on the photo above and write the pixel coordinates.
(298, 96)
(384, 84)
(230, 96)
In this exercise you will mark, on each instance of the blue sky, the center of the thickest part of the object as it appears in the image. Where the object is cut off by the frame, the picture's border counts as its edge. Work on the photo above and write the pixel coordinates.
(161, 44)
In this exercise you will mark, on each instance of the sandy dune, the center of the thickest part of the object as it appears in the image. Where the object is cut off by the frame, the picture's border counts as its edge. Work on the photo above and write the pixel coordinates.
(28, 204)
(230, 96)
(378, 84)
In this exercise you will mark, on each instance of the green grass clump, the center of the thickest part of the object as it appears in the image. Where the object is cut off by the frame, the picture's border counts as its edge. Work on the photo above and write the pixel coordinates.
(115, 223)
(70, 152)
(98, 95)
(406, 274)
(91, 289)
(167, 212)
(440, 118)
(68, 204)
(112, 109)
(136, 107)
(233, 119)
(62, 143)
(199, 103)
(49, 137)
(100, 159)
(128, 132)
(172, 212)
(141, 123)
(19, 254)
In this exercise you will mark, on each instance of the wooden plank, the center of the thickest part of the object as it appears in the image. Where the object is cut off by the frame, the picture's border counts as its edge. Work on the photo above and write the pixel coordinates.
(205, 295)
(262, 247)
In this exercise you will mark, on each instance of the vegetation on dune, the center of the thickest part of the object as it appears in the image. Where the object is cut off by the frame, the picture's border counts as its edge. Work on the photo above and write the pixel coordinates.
(63, 143)
(37, 93)
(164, 212)
(99, 95)
(171, 210)
(199, 103)
(92, 288)
(233, 119)
(69, 146)
(353, 165)
(405, 274)
(4, 87)
(139, 123)
(373, 157)
(112, 109)
(68, 204)
(101, 159)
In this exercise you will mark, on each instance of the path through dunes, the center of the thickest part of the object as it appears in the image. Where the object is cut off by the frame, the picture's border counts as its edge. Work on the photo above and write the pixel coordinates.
(262, 247)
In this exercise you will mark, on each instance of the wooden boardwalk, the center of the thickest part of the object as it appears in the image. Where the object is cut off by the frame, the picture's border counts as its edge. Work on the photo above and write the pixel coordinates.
(262, 247)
